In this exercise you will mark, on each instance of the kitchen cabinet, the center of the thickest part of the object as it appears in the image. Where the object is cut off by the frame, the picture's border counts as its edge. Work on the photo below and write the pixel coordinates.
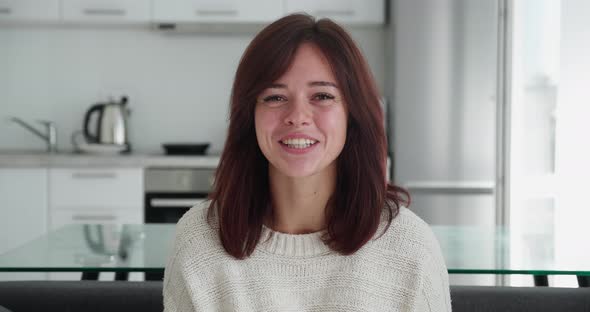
(217, 11)
(112, 216)
(91, 188)
(29, 11)
(93, 196)
(106, 11)
(341, 11)
(63, 217)
(23, 211)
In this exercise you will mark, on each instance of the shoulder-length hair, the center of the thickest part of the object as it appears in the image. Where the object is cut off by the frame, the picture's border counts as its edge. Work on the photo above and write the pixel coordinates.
(241, 197)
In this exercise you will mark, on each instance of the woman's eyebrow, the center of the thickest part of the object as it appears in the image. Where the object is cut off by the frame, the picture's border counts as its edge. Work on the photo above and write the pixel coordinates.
(278, 86)
(311, 84)
(322, 84)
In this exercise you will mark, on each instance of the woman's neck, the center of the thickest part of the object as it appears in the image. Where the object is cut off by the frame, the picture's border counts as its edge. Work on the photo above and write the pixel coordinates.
(299, 204)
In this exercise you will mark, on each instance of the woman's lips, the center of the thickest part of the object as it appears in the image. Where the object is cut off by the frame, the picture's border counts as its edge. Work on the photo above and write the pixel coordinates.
(297, 136)
(298, 143)
(297, 150)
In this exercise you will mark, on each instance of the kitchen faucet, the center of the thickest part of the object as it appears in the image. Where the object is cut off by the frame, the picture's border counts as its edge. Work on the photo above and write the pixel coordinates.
(50, 135)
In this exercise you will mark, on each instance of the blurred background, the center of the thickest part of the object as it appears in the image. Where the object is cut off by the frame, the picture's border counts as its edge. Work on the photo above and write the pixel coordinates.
(486, 104)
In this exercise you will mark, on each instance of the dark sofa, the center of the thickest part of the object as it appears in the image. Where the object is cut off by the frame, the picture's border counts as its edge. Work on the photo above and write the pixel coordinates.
(88, 296)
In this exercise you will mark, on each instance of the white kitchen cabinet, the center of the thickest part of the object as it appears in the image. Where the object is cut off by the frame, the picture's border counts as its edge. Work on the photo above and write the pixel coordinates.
(341, 11)
(63, 217)
(23, 211)
(217, 11)
(106, 11)
(96, 188)
(29, 11)
(94, 196)
(114, 217)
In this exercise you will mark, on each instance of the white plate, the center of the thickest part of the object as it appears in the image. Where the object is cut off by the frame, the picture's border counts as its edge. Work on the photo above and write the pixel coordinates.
(107, 149)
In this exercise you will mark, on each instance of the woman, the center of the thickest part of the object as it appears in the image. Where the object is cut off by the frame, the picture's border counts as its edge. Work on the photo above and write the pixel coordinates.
(301, 217)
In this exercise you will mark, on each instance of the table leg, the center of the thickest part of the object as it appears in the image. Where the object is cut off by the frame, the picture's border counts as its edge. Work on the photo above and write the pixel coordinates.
(583, 281)
(121, 276)
(154, 276)
(90, 276)
(541, 280)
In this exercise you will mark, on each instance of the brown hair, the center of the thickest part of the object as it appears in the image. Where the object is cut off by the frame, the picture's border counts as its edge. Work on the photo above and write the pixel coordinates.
(241, 199)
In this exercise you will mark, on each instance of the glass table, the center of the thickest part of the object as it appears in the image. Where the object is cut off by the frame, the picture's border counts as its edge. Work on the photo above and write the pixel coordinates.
(92, 249)
(95, 248)
(496, 250)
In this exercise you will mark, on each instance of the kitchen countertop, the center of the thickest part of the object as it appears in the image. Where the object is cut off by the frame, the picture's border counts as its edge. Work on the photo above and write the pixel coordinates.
(27, 159)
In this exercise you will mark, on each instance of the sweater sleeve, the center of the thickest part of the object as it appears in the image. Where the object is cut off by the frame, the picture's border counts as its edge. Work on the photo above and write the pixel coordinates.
(175, 290)
(181, 272)
(435, 279)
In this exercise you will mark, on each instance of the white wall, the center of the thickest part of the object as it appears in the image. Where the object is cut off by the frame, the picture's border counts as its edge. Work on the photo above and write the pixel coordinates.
(178, 85)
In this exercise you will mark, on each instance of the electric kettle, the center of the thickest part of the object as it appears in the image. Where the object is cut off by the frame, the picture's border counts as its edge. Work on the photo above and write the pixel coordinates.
(111, 124)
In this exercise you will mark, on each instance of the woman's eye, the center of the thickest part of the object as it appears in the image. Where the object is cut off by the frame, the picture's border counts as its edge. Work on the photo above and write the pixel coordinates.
(274, 98)
(323, 97)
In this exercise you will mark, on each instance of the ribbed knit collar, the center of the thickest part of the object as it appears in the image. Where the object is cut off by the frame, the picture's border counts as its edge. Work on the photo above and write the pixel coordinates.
(295, 245)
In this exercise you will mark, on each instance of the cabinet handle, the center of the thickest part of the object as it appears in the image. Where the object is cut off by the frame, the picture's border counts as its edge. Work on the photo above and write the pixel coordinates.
(173, 203)
(451, 187)
(109, 12)
(6, 11)
(94, 175)
(217, 12)
(94, 218)
(335, 12)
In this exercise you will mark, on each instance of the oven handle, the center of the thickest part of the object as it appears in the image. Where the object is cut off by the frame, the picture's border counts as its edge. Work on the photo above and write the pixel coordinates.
(171, 202)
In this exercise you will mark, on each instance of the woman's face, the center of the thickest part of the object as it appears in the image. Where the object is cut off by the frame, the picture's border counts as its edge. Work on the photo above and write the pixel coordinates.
(301, 119)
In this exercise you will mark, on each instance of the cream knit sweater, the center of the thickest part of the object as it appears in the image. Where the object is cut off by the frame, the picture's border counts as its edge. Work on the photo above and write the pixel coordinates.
(403, 270)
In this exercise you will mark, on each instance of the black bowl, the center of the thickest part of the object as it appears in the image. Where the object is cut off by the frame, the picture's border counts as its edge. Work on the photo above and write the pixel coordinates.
(185, 148)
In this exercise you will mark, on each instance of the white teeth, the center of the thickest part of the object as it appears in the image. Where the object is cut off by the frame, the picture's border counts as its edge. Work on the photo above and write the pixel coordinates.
(299, 143)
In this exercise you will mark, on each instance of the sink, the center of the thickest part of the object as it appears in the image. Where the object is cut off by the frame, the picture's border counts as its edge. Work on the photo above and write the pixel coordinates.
(32, 152)
(23, 152)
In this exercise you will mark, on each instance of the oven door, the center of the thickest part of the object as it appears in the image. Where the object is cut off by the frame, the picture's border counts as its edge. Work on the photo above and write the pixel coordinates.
(169, 207)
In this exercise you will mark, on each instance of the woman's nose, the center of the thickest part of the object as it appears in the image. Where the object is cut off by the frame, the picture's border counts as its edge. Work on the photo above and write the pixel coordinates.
(299, 113)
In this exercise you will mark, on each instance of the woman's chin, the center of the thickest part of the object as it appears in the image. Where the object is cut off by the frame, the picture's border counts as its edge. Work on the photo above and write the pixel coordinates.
(296, 171)
(297, 174)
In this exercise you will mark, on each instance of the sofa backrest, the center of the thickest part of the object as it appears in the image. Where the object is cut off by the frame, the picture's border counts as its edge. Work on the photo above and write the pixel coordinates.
(519, 299)
(78, 296)
(92, 296)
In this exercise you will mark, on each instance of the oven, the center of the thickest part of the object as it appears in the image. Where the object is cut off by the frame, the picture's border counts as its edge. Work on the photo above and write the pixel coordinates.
(170, 192)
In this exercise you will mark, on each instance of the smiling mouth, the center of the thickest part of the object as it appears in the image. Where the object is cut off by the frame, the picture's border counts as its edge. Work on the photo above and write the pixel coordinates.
(298, 143)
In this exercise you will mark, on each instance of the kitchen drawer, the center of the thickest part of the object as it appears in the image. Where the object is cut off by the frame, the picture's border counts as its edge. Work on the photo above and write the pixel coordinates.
(29, 10)
(60, 218)
(106, 11)
(217, 11)
(96, 188)
(23, 200)
(341, 11)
